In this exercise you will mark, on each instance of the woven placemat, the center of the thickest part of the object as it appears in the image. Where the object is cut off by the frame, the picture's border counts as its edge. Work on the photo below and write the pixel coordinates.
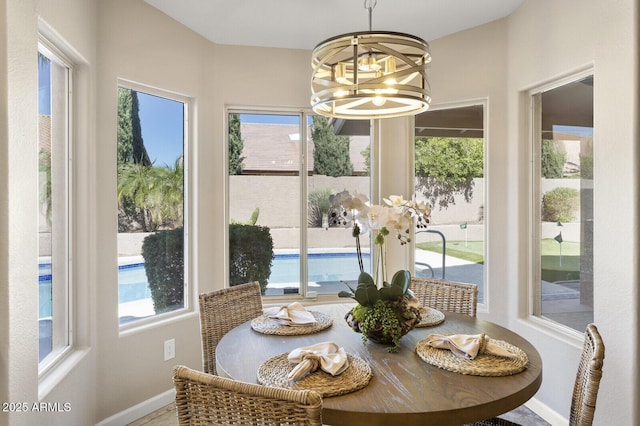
(274, 371)
(265, 325)
(430, 317)
(482, 365)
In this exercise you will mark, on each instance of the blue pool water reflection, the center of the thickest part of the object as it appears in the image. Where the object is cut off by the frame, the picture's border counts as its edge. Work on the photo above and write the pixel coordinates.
(132, 279)
(321, 267)
(132, 285)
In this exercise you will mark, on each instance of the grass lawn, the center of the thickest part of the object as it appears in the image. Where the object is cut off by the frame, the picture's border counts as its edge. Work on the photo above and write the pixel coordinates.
(473, 251)
(554, 266)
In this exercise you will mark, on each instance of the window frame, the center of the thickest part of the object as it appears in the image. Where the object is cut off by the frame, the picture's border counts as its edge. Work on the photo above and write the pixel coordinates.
(189, 298)
(304, 114)
(62, 324)
(483, 306)
(532, 101)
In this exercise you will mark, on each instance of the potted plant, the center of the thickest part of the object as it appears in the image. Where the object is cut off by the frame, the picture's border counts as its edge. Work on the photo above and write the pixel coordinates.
(386, 311)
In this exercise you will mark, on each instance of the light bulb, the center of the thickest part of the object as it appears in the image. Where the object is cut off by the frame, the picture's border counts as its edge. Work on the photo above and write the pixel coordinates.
(379, 101)
(368, 63)
(341, 73)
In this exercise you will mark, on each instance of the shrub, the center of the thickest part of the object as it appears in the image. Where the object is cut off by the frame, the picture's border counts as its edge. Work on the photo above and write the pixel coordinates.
(553, 158)
(560, 204)
(250, 254)
(163, 254)
(319, 208)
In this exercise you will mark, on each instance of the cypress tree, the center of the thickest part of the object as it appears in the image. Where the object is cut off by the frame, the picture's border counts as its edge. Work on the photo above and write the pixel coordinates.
(236, 144)
(131, 147)
(331, 153)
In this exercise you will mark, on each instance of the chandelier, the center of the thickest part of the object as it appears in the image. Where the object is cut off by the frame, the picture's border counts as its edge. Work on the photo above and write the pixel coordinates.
(370, 74)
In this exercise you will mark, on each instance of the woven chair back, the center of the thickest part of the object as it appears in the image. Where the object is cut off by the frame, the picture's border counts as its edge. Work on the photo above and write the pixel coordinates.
(461, 298)
(213, 400)
(585, 390)
(223, 310)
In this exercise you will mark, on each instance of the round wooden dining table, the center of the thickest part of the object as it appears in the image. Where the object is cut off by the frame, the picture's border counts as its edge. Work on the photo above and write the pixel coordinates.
(404, 389)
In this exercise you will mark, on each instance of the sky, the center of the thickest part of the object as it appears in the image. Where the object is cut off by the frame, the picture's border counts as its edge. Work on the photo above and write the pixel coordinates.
(162, 126)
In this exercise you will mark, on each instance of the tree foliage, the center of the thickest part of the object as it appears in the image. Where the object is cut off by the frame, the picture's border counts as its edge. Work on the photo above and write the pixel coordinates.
(157, 193)
(163, 254)
(250, 254)
(552, 159)
(447, 166)
(560, 204)
(236, 144)
(331, 152)
(131, 147)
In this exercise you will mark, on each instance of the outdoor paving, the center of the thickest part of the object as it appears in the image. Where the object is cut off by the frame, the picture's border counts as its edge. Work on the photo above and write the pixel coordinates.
(560, 301)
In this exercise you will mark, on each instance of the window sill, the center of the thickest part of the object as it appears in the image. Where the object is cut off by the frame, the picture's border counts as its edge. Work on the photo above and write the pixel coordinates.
(55, 373)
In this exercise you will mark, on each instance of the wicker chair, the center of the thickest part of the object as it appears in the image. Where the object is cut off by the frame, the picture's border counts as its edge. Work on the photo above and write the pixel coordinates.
(461, 298)
(213, 400)
(223, 310)
(585, 389)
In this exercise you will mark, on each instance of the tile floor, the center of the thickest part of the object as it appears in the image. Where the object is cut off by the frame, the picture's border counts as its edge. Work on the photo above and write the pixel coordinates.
(166, 416)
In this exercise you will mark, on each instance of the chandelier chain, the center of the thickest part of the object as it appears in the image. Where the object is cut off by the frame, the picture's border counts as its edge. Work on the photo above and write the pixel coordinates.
(370, 5)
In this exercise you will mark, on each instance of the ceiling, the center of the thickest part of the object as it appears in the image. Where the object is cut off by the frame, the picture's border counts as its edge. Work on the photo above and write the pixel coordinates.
(302, 24)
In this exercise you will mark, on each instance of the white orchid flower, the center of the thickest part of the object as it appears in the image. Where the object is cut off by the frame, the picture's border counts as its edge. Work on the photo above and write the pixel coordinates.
(373, 217)
(395, 201)
(359, 201)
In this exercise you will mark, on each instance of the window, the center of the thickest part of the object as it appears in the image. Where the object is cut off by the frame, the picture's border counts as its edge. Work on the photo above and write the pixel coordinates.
(282, 168)
(151, 204)
(563, 201)
(54, 83)
(449, 173)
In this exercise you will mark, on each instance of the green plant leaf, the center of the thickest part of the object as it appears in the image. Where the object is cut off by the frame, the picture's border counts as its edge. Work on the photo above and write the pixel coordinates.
(367, 295)
(401, 279)
(390, 293)
(365, 280)
(347, 294)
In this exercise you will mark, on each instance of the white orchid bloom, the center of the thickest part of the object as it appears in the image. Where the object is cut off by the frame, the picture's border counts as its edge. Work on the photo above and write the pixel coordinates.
(374, 217)
(359, 201)
(395, 201)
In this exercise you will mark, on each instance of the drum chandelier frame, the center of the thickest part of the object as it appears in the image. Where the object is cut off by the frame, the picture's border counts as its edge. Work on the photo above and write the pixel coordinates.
(370, 74)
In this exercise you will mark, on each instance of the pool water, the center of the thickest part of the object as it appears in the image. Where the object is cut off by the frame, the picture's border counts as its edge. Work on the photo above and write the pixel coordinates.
(132, 278)
(321, 267)
(132, 286)
(132, 283)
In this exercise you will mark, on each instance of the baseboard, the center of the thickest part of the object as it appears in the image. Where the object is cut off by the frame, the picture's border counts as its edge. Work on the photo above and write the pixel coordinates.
(548, 415)
(140, 410)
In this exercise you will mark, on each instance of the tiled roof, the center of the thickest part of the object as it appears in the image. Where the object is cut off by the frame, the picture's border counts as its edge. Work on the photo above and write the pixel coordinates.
(274, 148)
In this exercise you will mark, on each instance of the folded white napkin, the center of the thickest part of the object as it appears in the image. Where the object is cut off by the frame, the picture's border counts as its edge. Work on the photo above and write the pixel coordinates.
(291, 314)
(327, 355)
(468, 346)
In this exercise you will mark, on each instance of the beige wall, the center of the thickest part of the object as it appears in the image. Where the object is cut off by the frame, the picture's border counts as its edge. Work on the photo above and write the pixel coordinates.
(70, 24)
(549, 40)
(139, 44)
(112, 372)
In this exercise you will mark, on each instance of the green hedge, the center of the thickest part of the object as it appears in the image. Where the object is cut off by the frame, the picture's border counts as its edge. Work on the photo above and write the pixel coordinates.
(163, 254)
(250, 254)
(560, 204)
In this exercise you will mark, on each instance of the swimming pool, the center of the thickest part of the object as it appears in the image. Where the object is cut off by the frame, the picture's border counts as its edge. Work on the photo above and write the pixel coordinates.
(132, 285)
(321, 267)
(285, 272)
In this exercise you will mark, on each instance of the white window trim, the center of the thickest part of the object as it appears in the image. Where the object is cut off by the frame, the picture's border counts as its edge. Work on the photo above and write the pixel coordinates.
(485, 305)
(534, 302)
(190, 296)
(303, 113)
(64, 294)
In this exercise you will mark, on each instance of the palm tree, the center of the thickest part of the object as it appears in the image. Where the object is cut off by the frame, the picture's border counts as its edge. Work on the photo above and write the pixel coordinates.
(157, 192)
